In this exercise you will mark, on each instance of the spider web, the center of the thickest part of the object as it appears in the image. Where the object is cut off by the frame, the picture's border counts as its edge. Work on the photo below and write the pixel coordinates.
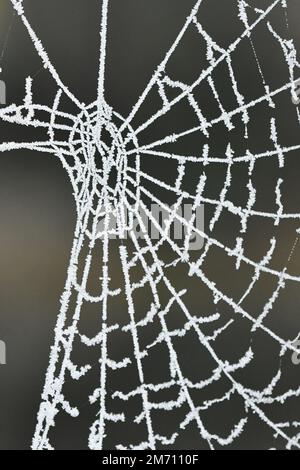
(159, 318)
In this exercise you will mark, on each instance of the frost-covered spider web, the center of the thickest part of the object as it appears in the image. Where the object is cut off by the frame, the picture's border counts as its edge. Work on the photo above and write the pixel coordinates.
(203, 348)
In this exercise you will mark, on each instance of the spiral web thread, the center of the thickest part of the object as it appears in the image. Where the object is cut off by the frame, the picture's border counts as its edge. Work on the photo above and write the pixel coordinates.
(97, 200)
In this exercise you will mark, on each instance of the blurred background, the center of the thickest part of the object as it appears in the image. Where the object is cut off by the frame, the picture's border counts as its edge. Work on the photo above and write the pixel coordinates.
(37, 211)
